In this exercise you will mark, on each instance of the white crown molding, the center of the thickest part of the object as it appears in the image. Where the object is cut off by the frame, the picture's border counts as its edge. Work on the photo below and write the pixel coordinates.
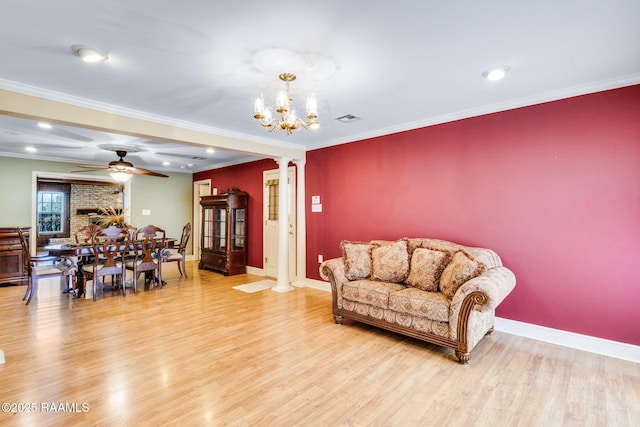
(240, 161)
(550, 96)
(541, 98)
(136, 114)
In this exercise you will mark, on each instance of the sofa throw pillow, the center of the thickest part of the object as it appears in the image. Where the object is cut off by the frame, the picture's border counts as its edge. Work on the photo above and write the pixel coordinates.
(357, 259)
(390, 262)
(426, 268)
(461, 268)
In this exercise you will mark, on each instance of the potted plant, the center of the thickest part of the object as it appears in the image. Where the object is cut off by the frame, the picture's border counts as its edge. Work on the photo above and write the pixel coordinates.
(112, 217)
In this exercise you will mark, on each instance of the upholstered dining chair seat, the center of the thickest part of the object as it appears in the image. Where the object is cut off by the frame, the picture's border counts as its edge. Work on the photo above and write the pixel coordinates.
(173, 257)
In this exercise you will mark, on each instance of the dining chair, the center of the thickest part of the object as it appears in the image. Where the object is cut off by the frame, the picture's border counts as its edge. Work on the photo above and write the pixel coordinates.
(84, 236)
(147, 244)
(41, 267)
(109, 246)
(178, 256)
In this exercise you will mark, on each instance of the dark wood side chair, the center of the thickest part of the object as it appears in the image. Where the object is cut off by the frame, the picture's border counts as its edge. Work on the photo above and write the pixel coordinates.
(40, 267)
(109, 246)
(148, 242)
(84, 236)
(179, 255)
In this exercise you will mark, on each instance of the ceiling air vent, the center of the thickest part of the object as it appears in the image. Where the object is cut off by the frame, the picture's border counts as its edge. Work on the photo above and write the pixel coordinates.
(347, 118)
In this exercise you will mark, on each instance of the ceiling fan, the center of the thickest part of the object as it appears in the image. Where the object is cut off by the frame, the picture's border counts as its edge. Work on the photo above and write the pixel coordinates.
(120, 169)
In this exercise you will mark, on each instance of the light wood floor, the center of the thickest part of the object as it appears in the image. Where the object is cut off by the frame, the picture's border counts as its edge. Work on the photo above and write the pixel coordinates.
(201, 353)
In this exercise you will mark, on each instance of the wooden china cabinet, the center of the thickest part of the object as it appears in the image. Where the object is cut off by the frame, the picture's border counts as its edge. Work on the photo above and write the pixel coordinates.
(12, 267)
(224, 232)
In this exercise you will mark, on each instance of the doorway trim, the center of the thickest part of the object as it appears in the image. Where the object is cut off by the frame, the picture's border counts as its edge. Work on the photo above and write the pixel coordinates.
(72, 177)
(292, 220)
(203, 184)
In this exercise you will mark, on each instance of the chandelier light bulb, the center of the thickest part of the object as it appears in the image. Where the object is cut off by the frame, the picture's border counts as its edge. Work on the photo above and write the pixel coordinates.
(258, 106)
(312, 106)
(292, 117)
(282, 100)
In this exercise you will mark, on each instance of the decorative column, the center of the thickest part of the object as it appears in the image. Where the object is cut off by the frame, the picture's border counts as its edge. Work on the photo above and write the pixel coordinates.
(301, 232)
(283, 227)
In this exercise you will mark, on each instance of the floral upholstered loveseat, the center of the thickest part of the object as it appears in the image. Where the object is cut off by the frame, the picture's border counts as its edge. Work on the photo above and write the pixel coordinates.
(429, 289)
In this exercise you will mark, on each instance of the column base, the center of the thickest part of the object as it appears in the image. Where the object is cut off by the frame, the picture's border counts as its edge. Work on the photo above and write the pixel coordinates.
(283, 289)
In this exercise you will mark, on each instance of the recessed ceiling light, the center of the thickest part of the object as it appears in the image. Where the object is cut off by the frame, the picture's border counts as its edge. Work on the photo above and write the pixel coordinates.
(210, 150)
(44, 125)
(495, 73)
(30, 149)
(88, 54)
(166, 163)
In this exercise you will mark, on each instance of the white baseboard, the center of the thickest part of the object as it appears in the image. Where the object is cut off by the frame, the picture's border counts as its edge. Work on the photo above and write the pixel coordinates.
(616, 349)
(255, 270)
(313, 283)
(588, 343)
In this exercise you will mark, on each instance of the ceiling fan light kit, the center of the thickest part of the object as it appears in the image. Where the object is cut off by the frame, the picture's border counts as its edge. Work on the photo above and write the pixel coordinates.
(121, 170)
(121, 176)
(288, 120)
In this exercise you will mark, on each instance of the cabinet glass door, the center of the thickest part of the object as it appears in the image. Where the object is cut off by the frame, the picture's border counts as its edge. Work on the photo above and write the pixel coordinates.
(207, 229)
(238, 230)
(220, 240)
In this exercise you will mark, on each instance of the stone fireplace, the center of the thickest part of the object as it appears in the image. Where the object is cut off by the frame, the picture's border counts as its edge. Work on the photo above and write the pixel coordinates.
(86, 200)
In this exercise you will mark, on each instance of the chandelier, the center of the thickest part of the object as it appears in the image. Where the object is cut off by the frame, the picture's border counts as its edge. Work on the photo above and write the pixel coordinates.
(288, 120)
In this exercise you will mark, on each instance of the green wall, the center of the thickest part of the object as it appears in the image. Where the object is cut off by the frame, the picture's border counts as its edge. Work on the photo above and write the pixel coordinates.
(168, 199)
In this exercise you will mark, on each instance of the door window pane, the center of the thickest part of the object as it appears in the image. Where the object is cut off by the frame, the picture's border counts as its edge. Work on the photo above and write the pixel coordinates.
(273, 199)
(50, 212)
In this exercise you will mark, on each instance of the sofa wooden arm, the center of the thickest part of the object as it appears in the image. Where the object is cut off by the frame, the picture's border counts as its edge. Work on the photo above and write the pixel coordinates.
(481, 294)
(332, 270)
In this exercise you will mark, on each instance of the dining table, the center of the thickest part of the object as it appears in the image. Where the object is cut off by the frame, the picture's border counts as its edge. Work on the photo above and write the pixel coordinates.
(81, 251)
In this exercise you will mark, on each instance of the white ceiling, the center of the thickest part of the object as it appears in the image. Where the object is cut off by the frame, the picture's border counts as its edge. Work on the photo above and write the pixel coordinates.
(396, 65)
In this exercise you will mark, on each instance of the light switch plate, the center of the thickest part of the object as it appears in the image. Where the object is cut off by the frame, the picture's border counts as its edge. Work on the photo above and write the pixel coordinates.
(315, 200)
(146, 211)
(316, 208)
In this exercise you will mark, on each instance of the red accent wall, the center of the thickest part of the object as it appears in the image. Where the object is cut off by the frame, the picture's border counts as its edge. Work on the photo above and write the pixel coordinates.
(553, 188)
(247, 177)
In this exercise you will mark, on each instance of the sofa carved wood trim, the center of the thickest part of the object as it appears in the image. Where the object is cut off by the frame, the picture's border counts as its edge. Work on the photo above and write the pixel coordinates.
(474, 318)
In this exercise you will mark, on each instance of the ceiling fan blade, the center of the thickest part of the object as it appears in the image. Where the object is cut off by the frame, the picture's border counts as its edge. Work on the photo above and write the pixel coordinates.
(140, 171)
(89, 170)
(122, 165)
